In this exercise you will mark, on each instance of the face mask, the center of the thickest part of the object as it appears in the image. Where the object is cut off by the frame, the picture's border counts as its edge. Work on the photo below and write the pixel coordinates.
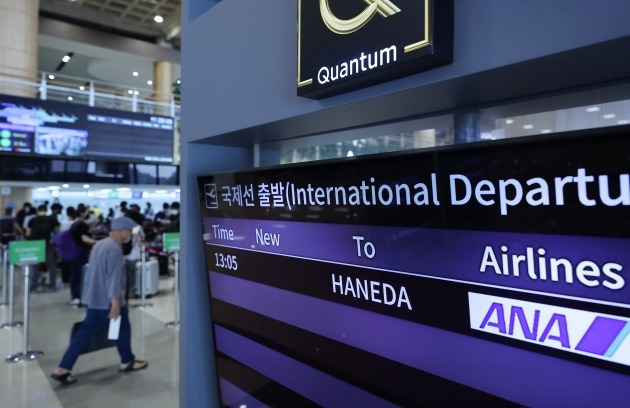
(127, 240)
(174, 212)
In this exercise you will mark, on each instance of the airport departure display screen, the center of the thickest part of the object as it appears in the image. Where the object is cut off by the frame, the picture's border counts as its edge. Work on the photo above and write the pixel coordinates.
(63, 129)
(496, 273)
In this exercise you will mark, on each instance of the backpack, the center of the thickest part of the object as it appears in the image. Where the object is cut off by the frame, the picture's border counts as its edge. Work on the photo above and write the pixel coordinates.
(67, 246)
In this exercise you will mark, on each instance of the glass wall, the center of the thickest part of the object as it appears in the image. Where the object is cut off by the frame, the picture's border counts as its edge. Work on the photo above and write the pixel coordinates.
(595, 108)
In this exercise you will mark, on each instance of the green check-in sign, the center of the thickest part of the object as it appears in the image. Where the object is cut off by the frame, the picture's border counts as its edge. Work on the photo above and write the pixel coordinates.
(170, 241)
(27, 252)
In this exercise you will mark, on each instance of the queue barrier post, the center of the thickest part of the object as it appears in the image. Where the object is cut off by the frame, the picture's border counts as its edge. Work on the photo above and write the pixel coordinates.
(11, 323)
(5, 261)
(26, 354)
(175, 323)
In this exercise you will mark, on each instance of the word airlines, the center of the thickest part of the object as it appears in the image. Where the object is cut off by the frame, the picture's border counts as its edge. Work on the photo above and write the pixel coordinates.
(591, 334)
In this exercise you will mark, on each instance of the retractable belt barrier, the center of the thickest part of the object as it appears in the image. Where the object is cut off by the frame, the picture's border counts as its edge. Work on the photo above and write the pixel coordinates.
(171, 244)
(175, 323)
(25, 254)
(4, 250)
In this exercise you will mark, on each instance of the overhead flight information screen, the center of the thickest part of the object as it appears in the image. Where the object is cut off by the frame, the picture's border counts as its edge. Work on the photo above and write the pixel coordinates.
(496, 273)
(60, 129)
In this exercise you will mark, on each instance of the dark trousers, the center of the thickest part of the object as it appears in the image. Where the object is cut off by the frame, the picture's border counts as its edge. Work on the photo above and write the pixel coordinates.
(94, 320)
(65, 271)
(76, 274)
(51, 265)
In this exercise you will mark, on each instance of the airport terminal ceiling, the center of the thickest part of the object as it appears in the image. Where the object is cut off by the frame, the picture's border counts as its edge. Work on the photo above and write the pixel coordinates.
(132, 18)
(109, 39)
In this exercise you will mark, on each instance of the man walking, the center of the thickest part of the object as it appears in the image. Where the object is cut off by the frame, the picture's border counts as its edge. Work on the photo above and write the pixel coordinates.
(104, 295)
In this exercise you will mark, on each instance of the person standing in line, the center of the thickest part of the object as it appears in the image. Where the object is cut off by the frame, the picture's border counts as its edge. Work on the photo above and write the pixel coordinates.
(122, 209)
(162, 215)
(42, 227)
(148, 211)
(133, 212)
(104, 296)
(23, 213)
(80, 231)
(56, 209)
(9, 228)
(32, 213)
(173, 225)
(65, 224)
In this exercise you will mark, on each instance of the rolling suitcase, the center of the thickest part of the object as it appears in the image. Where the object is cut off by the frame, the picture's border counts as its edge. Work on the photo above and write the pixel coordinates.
(151, 278)
(84, 276)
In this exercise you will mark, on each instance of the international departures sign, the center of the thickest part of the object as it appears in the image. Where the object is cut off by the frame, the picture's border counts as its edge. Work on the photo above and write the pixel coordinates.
(344, 45)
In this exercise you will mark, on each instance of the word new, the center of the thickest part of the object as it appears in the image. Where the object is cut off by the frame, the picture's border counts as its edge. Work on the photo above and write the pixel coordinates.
(267, 238)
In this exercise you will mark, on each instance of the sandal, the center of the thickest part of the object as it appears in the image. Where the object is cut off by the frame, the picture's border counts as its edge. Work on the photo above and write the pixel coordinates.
(135, 365)
(65, 378)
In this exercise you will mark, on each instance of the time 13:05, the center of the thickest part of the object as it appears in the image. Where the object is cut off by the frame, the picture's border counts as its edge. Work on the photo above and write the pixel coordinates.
(225, 261)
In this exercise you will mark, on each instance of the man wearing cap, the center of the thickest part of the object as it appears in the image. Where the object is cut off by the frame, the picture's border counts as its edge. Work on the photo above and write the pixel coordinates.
(104, 295)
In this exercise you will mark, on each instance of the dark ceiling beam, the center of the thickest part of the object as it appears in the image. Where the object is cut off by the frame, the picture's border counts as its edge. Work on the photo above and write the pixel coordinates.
(72, 32)
(102, 21)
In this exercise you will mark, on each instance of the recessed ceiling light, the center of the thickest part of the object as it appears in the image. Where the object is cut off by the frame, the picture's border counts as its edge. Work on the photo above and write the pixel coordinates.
(66, 58)
(130, 92)
(70, 98)
(82, 88)
(136, 93)
(86, 186)
(51, 76)
(65, 185)
(158, 19)
(623, 122)
(135, 73)
(545, 131)
(527, 127)
(179, 81)
(149, 82)
(609, 116)
(509, 121)
(592, 109)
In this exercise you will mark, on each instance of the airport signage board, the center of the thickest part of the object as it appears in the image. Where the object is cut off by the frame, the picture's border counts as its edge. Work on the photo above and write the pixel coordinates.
(424, 265)
(344, 45)
(171, 241)
(27, 252)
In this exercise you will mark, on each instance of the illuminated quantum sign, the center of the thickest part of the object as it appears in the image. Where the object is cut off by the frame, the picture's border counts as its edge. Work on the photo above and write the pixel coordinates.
(345, 45)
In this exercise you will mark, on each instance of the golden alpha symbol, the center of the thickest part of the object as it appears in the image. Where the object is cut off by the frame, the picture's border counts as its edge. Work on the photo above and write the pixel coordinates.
(383, 7)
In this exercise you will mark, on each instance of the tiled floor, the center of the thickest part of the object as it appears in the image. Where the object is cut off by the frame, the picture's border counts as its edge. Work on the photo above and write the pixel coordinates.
(27, 384)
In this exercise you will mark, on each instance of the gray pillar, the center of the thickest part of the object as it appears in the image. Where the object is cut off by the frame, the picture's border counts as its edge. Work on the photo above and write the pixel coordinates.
(467, 127)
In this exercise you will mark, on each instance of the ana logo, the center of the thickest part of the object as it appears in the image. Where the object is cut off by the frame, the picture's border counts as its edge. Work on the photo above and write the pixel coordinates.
(384, 7)
(210, 192)
(596, 335)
